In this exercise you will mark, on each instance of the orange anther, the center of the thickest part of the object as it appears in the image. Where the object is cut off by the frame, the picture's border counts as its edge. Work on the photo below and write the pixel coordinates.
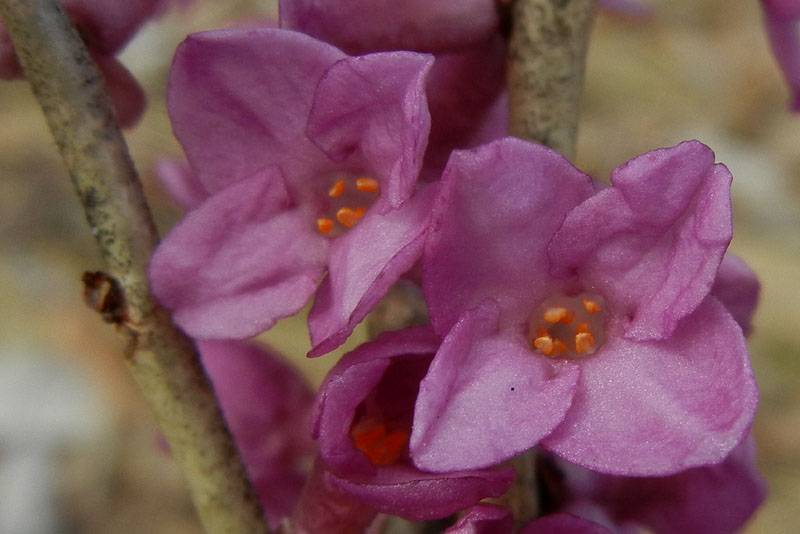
(380, 447)
(349, 217)
(554, 315)
(544, 344)
(324, 225)
(583, 342)
(337, 189)
(368, 185)
(582, 328)
(591, 306)
(559, 347)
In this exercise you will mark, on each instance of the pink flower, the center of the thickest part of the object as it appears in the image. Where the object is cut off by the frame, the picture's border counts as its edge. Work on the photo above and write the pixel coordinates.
(363, 421)
(580, 316)
(781, 20)
(106, 26)
(303, 160)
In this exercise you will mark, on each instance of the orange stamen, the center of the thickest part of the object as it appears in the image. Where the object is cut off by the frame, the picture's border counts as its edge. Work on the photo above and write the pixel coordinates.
(380, 447)
(558, 315)
(368, 185)
(349, 217)
(583, 342)
(559, 347)
(582, 328)
(337, 189)
(324, 225)
(591, 306)
(544, 344)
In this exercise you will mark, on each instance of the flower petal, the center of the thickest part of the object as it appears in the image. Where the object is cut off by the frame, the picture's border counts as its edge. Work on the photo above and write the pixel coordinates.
(466, 110)
(363, 265)
(656, 408)
(418, 496)
(371, 110)
(181, 183)
(737, 287)
(239, 262)
(713, 498)
(499, 206)
(361, 26)
(239, 101)
(782, 19)
(652, 243)
(267, 405)
(486, 397)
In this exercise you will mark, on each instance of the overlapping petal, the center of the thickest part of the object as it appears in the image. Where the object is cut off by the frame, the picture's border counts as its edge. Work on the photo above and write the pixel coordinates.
(239, 262)
(239, 102)
(370, 111)
(652, 243)
(655, 408)
(357, 281)
(486, 398)
(563, 524)
(499, 206)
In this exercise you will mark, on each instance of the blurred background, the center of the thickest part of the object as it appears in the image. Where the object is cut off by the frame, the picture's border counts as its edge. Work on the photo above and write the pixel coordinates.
(77, 445)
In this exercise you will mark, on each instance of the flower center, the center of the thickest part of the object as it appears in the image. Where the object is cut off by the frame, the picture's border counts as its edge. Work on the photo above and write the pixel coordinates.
(380, 445)
(568, 327)
(348, 202)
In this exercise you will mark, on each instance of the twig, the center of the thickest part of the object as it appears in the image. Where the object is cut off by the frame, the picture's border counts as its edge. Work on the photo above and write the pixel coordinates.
(161, 359)
(546, 63)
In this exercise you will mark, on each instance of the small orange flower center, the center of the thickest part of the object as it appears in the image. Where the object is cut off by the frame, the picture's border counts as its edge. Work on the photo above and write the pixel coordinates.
(568, 327)
(348, 200)
(379, 445)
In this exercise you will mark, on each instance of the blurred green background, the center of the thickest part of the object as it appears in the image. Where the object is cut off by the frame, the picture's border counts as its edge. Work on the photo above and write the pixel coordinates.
(700, 69)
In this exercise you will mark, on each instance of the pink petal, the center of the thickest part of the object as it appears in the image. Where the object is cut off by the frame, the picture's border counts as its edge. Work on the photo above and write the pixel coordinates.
(486, 397)
(737, 287)
(656, 408)
(239, 102)
(363, 265)
(373, 109)
(499, 206)
(239, 262)
(652, 243)
(360, 26)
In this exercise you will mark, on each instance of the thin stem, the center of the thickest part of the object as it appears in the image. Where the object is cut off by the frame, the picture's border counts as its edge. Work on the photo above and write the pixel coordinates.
(546, 64)
(161, 359)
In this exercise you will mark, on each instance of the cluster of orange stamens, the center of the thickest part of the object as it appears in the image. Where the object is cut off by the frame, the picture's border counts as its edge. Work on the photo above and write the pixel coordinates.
(379, 445)
(347, 216)
(552, 346)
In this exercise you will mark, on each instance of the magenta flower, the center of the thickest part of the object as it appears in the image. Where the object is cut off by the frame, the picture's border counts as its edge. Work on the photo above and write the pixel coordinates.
(715, 499)
(781, 19)
(267, 406)
(307, 160)
(580, 317)
(106, 26)
(363, 422)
